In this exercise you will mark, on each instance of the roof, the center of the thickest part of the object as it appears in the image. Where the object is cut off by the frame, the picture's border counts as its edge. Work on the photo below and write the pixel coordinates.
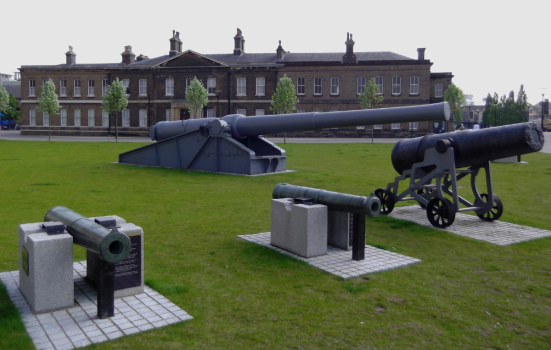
(13, 87)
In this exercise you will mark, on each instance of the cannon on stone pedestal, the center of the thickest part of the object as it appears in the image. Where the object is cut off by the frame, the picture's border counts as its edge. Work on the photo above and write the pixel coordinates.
(439, 157)
(234, 144)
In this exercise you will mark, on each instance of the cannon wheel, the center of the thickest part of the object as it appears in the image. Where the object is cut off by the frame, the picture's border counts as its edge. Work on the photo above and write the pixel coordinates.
(440, 212)
(495, 212)
(387, 200)
(422, 192)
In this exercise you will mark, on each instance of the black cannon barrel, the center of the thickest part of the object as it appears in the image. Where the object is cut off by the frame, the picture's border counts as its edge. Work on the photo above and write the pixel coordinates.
(472, 147)
(111, 245)
(333, 200)
(242, 126)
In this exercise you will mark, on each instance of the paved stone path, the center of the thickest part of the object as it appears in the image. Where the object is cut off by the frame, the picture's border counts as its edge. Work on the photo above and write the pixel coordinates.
(496, 232)
(339, 262)
(79, 326)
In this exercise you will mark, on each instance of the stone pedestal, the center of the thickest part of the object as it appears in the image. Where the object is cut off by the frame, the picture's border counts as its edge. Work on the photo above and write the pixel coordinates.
(299, 228)
(338, 234)
(45, 268)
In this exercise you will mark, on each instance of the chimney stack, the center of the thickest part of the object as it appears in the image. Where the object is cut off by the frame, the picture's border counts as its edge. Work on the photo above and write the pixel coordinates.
(349, 57)
(175, 44)
(71, 57)
(141, 58)
(239, 43)
(280, 51)
(421, 54)
(127, 56)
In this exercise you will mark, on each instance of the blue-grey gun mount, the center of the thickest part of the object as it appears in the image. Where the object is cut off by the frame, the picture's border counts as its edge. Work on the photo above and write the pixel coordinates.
(234, 144)
(438, 157)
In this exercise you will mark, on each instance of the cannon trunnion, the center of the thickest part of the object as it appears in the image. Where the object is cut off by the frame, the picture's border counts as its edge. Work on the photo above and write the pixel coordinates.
(234, 144)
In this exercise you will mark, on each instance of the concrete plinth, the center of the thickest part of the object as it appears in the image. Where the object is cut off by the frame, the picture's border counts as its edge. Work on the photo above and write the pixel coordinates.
(299, 228)
(45, 268)
(338, 234)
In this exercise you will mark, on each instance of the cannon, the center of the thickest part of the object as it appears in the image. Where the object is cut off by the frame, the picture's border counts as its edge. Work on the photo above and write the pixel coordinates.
(438, 158)
(234, 143)
(110, 245)
(357, 206)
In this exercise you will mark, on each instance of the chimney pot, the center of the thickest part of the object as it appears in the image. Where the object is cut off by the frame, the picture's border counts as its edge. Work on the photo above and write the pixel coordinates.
(175, 44)
(421, 54)
(349, 57)
(127, 56)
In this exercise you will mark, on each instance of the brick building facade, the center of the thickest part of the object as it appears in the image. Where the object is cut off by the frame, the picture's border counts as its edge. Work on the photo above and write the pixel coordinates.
(237, 83)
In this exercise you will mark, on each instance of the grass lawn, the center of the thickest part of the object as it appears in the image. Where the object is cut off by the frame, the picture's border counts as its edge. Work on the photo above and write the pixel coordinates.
(465, 294)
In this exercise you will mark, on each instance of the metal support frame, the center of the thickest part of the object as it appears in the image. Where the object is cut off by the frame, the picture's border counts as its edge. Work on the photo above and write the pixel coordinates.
(105, 289)
(357, 226)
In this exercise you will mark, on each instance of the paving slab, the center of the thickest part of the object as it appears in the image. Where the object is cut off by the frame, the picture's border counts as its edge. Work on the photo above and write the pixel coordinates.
(79, 326)
(496, 232)
(339, 262)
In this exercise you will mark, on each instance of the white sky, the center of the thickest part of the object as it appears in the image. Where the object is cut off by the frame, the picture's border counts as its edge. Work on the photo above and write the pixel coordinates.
(489, 46)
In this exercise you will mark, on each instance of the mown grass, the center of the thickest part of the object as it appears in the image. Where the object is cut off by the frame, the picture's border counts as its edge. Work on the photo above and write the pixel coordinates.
(465, 294)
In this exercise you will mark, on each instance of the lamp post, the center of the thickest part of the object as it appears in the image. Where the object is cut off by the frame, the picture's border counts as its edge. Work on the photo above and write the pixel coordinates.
(542, 111)
(217, 103)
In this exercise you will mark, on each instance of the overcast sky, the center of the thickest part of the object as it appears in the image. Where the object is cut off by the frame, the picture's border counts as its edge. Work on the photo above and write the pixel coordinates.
(489, 46)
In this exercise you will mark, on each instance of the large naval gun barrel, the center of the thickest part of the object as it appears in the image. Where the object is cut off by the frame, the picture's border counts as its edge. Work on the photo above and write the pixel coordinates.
(471, 147)
(242, 126)
(111, 245)
(333, 200)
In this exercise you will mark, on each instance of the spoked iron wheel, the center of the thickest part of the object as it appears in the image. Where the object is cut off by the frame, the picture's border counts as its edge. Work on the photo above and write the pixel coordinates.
(422, 192)
(495, 212)
(387, 200)
(440, 212)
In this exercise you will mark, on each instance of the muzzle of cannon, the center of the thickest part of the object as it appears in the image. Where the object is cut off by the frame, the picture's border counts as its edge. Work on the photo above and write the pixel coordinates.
(422, 160)
(234, 144)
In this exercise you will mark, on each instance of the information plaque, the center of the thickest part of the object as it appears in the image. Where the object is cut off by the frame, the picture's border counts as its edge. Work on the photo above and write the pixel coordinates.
(128, 273)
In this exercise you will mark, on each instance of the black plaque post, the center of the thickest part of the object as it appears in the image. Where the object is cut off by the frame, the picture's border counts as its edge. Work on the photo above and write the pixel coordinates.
(105, 288)
(358, 236)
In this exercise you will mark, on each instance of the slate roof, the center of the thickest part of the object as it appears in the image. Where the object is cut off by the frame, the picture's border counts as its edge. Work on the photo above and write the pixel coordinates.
(13, 87)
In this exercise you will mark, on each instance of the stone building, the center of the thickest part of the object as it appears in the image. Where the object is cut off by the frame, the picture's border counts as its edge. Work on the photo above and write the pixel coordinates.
(236, 82)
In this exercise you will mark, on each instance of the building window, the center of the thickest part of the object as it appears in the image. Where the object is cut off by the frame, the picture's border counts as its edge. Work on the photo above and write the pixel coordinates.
(77, 117)
(76, 92)
(378, 126)
(104, 85)
(63, 87)
(438, 90)
(169, 87)
(188, 82)
(63, 117)
(143, 117)
(32, 87)
(104, 118)
(259, 112)
(242, 111)
(90, 88)
(301, 111)
(45, 119)
(379, 83)
(395, 126)
(317, 86)
(32, 116)
(413, 125)
(211, 86)
(126, 83)
(211, 113)
(361, 85)
(168, 115)
(414, 85)
(125, 117)
(396, 85)
(91, 117)
(334, 86)
(260, 86)
(300, 86)
(241, 86)
(143, 87)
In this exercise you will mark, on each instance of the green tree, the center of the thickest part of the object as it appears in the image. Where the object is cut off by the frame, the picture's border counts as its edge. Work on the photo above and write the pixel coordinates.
(13, 112)
(521, 105)
(48, 102)
(196, 95)
(114, 100)
(487, 115)
(284, 100)
(456, 99)
(4, 99)
(370, 97)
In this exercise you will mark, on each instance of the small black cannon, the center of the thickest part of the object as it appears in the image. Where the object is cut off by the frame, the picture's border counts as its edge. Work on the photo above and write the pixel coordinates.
(110, 245)
(234, 144)
(357, 206)
(438, 157)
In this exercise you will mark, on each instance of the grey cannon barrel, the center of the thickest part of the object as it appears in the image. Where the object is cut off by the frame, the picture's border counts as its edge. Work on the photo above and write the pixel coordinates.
(333, 200)
(242, 126)
(111, 245)
(471, 147)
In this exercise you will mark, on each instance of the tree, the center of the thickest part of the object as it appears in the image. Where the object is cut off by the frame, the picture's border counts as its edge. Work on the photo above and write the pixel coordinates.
(4, 99)
(12, 112)
(196, 95)
(48, 103)
(456, 99)
(522, 105)
(370, 97)
(284, 100)
(114, 100)
(487, 115)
